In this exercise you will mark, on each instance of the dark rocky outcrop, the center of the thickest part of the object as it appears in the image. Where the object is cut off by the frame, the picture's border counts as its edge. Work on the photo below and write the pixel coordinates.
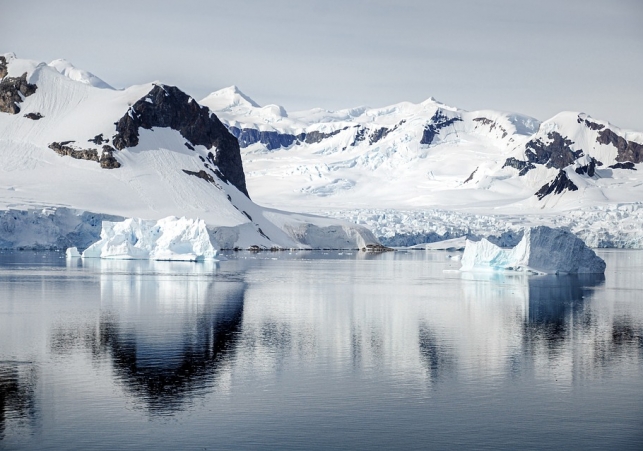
(34, 116)
(438, 122)
(378, 134)
(627, 150)
(588, 169)
(556, 154)
(107, 159)
(63, 149)
(168, 106)
(98, 140)
(202, 175)
(627, 165)
(3, 67)
(522, 166)
(471, 176)
(591, 125)
(274, 140)
(557, 186)
(271, 139)
(492, 124)
(316, 136)
(381, 133)
(11, 89)
(359, 136)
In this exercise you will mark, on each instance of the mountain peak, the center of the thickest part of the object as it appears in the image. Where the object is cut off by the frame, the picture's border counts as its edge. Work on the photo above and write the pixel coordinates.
(227, 98)
(70, 71)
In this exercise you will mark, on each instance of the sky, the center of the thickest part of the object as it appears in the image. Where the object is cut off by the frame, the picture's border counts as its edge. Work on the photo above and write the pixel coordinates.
(531, 57)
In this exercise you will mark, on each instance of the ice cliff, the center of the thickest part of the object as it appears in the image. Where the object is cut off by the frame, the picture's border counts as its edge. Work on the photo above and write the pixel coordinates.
(542, 250)
(169, 238)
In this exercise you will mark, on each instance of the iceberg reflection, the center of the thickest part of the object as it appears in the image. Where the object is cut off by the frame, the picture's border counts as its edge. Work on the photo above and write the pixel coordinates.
(167, 328)
(168, 334)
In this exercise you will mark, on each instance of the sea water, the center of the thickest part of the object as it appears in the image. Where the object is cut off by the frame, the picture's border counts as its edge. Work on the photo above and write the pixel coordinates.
(317, 350)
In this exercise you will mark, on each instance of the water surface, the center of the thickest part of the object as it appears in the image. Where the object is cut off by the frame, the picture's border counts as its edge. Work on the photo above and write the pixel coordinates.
(317, 351)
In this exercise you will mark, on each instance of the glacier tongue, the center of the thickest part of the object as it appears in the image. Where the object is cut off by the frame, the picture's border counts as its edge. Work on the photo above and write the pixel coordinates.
(170, 238)
(542, 249)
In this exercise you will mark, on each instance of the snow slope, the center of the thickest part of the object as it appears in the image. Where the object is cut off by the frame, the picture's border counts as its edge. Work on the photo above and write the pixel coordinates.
(401, 162)
(164, 174)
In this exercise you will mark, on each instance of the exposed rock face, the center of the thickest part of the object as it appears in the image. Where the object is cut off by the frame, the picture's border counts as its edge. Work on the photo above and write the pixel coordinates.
(626, 165)
(168, 106)
(627, 150)
(492, 124)
(107, 160)
(63, 149)
(271, 139)
(557, 186)
(522, 166)
(98, 140)
(274, 140)
(438, 122)
(34, 116)
(589, 169)
(3, 67)
(10, 90)
(202, 175)
(316, 136)
(556, 154)
(471, 176)
(591, 125)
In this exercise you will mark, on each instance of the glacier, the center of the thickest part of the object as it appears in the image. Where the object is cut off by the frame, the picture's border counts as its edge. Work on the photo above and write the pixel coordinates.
(542, 250)
(612, 226)
(171, 238)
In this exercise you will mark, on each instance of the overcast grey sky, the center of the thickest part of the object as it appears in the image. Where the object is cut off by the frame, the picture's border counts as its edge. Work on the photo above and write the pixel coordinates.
(532, 57)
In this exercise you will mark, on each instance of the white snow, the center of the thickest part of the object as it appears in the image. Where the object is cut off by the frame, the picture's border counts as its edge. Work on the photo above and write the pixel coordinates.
(612, 226)
(405, 191)
(51, 201)
(76, 74)
(542, 250)
(454, 244)
(171, 238)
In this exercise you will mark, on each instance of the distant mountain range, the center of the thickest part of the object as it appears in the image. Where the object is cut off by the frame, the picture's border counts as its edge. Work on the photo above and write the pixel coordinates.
(430, 155)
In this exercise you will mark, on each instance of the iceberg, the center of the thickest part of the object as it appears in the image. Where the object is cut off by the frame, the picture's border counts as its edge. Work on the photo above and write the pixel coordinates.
(72, 252)
(542, 250)
(171, 238)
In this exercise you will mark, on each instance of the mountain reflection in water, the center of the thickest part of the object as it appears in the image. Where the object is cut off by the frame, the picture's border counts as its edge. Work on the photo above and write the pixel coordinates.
(17, 394)
(165, 334)
(296, 346)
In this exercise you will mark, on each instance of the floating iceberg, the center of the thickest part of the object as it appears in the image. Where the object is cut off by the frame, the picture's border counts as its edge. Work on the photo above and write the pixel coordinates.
(72, 252)
(171, 238)
(542, 250)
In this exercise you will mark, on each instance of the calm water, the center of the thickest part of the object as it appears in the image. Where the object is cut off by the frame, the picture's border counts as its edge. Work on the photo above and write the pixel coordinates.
(317, 351)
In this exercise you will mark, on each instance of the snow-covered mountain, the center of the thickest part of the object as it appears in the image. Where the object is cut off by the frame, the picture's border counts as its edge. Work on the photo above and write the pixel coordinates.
(430, 155)
(73, 151)
(428, 171)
